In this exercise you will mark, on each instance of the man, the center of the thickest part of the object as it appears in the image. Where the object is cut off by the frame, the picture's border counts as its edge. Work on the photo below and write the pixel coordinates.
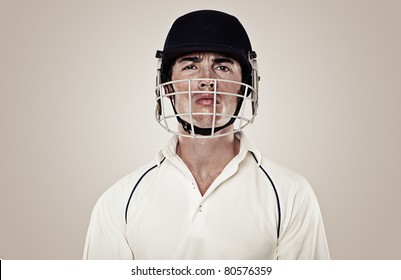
(209, 194)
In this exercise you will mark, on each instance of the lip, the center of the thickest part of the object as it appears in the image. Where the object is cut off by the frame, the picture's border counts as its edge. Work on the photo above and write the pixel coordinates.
(205, 99)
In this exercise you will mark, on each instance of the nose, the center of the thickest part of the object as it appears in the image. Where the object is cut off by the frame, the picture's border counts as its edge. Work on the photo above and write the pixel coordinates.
(206, 84)
(207, 76)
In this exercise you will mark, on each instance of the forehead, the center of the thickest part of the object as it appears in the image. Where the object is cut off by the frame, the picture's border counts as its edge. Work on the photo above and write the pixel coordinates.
(201, 56)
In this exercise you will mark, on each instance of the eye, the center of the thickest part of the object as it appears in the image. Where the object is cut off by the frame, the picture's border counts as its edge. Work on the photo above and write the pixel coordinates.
(189, 67)
(223, 68)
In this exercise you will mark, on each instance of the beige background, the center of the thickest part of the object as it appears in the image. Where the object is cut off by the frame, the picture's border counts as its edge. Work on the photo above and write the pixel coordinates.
(76, 112)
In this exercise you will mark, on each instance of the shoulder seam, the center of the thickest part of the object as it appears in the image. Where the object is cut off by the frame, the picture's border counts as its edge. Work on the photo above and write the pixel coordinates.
(276, 193)
(137, 183)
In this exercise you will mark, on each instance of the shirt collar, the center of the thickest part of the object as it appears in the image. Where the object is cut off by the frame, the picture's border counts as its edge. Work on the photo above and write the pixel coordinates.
(245, 147)
(169, 150)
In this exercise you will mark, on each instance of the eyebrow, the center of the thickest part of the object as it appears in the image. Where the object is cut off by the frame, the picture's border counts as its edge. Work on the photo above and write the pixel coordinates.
(188, 58)
(223, 60)
(215, 60)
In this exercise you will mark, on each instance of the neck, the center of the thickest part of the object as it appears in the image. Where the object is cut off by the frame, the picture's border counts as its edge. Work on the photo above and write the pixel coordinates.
(207, 157)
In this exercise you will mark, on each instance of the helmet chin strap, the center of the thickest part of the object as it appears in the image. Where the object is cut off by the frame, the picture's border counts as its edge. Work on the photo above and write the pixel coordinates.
(205, 131)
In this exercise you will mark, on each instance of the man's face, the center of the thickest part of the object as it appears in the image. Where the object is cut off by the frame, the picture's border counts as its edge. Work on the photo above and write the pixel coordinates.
(205, 67)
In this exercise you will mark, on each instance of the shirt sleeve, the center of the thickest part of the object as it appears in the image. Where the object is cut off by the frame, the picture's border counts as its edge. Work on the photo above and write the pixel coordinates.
(106, 234)
(303, 235)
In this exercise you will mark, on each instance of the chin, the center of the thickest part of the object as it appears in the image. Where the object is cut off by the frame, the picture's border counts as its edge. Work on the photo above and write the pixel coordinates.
(207, 121)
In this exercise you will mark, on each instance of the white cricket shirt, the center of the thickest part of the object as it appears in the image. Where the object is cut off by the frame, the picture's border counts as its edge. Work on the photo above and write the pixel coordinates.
(157, 212)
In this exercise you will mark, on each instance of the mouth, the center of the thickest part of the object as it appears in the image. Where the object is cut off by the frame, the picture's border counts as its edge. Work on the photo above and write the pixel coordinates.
(205, 99)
